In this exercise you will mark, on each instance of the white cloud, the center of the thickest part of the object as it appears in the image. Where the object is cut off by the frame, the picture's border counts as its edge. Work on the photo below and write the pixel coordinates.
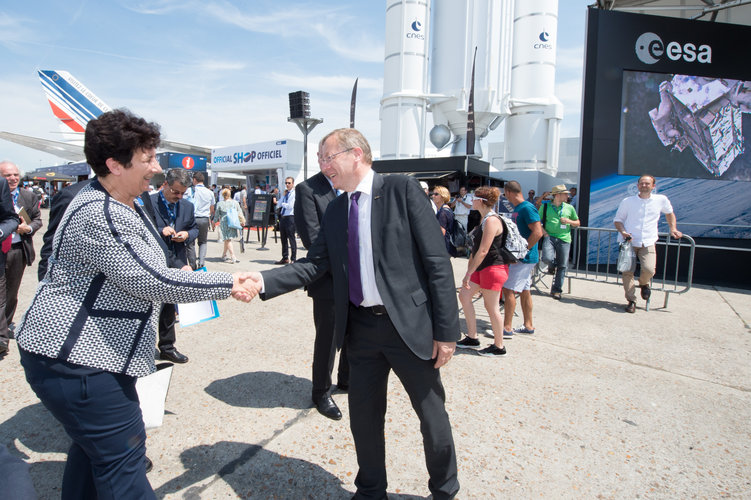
(326, 84)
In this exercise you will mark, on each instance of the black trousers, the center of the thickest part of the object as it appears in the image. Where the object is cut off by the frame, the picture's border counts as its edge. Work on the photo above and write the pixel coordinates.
(167, 327)
(15, 265)
(287, 230)
(324, 349)
(374, 349)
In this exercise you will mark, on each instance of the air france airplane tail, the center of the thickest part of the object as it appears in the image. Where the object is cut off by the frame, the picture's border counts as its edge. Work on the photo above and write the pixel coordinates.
(71, 102)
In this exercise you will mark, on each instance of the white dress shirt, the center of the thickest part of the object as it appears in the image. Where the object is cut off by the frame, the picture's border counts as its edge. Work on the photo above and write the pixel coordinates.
(640, 216)
(370, 294)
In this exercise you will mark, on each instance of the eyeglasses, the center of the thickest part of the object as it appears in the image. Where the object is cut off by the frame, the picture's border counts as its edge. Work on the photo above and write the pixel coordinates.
(477, 198)
(288, 182)
(175, 192)
(331, 157)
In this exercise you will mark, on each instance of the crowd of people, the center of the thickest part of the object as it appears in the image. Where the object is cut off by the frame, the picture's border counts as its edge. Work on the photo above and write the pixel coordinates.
(117, 257)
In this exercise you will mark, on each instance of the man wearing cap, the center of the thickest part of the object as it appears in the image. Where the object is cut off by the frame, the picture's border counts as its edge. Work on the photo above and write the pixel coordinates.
(557, 218)
(636, 220)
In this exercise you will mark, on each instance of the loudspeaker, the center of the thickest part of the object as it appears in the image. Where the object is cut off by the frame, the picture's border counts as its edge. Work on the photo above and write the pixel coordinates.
(299, 104)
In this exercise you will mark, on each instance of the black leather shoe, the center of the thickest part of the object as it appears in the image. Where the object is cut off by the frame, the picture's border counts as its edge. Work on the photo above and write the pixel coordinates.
(149, 465)
(328, 408)
(343, 386)
(281, 262)
(631, 307)
(3, 347)
(173, 355)
(645, 292)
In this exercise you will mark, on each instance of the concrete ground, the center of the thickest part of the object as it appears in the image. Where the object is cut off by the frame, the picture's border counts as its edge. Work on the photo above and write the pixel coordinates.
(596, 404)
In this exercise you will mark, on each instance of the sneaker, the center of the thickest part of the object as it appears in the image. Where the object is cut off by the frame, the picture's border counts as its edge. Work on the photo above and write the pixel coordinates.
(468, 343)
(489, 333)
(524, 329)
(508, 334)
(492, 351)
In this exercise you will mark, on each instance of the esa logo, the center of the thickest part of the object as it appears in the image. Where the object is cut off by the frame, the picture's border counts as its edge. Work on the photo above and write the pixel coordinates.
(416, 29)
(650, 48)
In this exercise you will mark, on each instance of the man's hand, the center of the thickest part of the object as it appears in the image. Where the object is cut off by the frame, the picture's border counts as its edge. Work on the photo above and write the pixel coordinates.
(23, 228)
(168, 231)
(180, 236)
(244, 288)
(673, 232)
(442, 352)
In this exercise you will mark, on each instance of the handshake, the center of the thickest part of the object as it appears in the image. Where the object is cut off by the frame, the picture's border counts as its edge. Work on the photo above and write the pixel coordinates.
(246, 285)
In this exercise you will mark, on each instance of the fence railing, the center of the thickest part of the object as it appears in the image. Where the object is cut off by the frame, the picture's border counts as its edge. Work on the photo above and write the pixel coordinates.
(594, 252)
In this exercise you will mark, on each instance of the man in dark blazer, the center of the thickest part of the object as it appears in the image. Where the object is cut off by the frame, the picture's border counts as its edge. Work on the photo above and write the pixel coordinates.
(311, 199)
(21, 254)
(58, 204)
(8, 224)
(175, 221)
(400, 315)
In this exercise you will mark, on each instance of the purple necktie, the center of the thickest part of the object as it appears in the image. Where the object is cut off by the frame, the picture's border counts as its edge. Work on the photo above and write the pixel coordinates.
(353, 246)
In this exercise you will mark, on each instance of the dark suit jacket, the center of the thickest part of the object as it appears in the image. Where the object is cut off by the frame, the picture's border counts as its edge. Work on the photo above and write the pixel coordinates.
(58, 204)
(312, 197)
(28, 200)
(412, 269)
(185, 222)
(8, 218)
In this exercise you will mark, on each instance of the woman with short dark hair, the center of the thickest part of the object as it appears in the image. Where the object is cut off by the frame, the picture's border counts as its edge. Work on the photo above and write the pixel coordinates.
(91, 328)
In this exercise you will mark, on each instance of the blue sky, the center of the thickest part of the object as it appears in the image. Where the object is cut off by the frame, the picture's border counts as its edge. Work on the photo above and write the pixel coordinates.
(217, 72)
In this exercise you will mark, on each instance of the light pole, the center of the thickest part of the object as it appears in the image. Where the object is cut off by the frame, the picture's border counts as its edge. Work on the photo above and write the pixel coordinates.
(299, 111)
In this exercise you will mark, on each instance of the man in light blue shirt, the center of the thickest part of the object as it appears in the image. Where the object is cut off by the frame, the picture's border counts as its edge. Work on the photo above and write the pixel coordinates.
(287, 222)
(203, 201)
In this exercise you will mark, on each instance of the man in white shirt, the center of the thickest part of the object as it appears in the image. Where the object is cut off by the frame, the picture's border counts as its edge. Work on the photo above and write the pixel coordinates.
(203, 201)
(636, 220)
(287, 223)
(462, 206)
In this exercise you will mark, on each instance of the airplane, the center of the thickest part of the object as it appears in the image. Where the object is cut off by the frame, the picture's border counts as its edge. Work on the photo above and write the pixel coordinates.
(74, 105)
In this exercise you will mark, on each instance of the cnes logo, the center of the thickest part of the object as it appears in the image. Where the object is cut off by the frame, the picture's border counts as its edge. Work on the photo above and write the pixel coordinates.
(650, 48)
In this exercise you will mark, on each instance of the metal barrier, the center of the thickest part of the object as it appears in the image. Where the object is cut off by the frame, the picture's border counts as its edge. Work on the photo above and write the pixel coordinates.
(599, 262)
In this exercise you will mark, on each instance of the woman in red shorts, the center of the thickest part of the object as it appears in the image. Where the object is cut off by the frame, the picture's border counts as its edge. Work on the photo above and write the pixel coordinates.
(487, 272)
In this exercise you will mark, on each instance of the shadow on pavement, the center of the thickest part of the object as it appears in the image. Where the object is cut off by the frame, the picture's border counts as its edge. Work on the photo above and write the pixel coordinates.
(270, 476)
(255, 473)
(263, 390)
(38, 431)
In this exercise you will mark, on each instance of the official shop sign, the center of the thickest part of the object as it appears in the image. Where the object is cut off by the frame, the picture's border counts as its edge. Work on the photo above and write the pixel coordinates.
(249, 155)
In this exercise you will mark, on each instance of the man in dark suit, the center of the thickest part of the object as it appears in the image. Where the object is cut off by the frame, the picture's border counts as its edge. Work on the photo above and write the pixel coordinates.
(8, 224)
(394, 296)
(311, 199)
(21, 254)
(175, 221)
(58, 204)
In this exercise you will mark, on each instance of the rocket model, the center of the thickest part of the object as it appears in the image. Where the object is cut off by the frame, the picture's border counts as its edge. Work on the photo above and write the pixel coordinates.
(428, 66)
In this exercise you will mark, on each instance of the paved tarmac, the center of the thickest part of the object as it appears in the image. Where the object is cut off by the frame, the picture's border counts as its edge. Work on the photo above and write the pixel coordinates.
(596, 404)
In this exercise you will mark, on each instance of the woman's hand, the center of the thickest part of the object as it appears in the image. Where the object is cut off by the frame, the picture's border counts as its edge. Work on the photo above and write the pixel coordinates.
(465, 280)
(245, 287)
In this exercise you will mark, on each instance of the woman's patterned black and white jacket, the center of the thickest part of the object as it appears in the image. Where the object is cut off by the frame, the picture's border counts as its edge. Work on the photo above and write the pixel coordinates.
(98, 305)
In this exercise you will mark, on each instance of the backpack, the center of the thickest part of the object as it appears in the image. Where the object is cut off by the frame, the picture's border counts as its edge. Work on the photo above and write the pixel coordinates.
(458, 238)
(513, 241)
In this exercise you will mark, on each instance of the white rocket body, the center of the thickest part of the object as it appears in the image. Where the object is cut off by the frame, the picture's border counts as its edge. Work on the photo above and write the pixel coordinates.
(533, 126)
(460, 26)
(405, 79)
(514, 77)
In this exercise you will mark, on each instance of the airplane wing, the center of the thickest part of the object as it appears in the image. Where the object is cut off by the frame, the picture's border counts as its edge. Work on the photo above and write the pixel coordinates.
(66, 150)
(74, 151)
(188, 149)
